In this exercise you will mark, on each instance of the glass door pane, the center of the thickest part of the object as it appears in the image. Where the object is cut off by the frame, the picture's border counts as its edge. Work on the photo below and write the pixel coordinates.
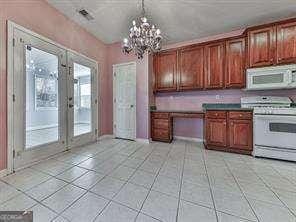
(82, 99)
(42, 93)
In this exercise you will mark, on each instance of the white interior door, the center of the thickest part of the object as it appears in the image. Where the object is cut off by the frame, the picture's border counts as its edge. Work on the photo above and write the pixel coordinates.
(39, 91)
(82, 100)
(124, 97)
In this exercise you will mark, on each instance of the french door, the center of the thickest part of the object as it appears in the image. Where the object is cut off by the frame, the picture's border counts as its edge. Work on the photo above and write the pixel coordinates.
(55, 99)
(82, 100)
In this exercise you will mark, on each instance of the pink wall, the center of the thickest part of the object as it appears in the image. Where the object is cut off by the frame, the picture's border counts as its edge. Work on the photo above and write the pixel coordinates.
(40, 17)
(115, 56)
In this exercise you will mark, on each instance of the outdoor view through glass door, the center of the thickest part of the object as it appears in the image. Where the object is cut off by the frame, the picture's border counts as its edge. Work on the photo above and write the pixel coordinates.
(82, 99)
(55, 99)
(42, 97)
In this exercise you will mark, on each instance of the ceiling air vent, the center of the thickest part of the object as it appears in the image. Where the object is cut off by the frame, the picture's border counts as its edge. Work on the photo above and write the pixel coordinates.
(85, 14)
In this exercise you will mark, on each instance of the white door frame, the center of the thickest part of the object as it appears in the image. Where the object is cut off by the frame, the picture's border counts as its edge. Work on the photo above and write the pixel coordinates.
(10, 92)
(114, 94)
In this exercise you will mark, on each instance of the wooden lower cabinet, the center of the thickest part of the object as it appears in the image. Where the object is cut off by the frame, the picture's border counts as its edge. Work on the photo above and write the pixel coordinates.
(216, 132)
(161, 127)
(231, 133)
(240, 134)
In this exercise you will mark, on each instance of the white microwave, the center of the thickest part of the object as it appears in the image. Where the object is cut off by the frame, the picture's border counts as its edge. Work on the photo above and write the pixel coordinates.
(276, 77)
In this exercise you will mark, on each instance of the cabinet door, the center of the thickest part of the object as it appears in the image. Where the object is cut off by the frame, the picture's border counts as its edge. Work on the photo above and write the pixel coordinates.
(191, 68)
(216, 132)
(261, 44)
(241, 134)
(166, 71)
(214, 69)
(235, 63)
(286, 43)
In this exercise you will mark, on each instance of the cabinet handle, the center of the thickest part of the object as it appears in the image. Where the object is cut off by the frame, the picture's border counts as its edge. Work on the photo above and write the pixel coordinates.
(240, 115)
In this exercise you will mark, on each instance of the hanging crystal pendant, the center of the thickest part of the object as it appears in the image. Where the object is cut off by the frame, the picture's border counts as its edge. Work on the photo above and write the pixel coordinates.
(142, 37)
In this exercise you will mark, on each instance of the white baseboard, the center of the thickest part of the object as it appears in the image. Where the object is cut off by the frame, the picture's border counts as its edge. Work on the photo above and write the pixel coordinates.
(141, 140)
(106, 136)
(189, 138)
(3, 173)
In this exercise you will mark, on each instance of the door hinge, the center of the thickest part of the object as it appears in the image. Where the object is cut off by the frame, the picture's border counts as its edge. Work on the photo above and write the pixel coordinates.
(114, 74)
(13, 97)
(96, 101)
(96, 131)
(115, 100)
(13, 42)
(114, 125)
(13, 153)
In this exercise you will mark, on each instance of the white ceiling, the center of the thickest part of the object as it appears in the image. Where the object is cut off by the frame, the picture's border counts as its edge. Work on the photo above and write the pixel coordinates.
(179, 20)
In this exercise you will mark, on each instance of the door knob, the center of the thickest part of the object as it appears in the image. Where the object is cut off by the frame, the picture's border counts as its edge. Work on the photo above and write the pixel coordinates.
(71, 105)
(132, 106)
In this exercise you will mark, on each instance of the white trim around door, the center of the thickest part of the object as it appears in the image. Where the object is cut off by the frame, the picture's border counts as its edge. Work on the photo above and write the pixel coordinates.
(11, 27)
(133, 102)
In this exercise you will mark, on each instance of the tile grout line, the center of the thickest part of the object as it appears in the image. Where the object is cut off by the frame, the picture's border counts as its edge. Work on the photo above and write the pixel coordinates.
(108, 174)
(270, 188)
(237, 183)
(68, 183)
(140, 211)
(181, 180)
(122, 184)
(210, 186)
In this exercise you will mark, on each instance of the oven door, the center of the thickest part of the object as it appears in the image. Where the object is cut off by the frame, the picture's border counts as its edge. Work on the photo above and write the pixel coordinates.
(275, 131)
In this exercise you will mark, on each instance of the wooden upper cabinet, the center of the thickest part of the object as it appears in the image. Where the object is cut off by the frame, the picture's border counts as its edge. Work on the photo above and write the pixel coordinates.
(214, 65)
(191, 68)
(166, 71)
(261, 45)
(235, 63)
(240, 134)
(286, 43)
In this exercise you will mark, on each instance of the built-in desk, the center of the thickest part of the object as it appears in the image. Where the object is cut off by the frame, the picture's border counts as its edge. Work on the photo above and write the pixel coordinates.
(162, 122)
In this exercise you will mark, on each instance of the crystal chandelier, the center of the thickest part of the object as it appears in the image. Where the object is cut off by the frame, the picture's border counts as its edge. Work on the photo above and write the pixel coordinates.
(142, 38)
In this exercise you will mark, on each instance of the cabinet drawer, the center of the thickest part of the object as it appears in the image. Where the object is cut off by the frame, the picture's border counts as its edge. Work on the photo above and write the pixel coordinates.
(160, 123)
(216, 114)
(160, 115)
(161, 134)
(240, 115)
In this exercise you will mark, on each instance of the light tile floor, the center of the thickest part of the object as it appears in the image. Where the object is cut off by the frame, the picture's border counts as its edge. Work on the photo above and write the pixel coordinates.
(122, 181)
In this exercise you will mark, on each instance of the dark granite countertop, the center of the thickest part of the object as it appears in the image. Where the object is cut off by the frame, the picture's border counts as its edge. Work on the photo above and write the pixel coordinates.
(207, 106)
(224, 106)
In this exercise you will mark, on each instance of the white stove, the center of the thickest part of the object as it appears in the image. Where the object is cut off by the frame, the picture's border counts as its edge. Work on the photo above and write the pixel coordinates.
(274, 128)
